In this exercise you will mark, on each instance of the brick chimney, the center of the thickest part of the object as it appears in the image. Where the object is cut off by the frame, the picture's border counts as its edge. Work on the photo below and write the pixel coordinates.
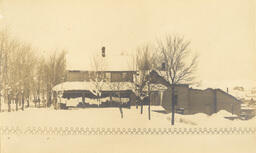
(103, 52)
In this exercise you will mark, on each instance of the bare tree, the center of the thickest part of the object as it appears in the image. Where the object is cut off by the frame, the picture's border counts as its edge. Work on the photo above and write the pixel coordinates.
(49, 72)
(8, 48)
(116, 88)
(17, 61)
(7, 45)
(40, 87)
(21, 75)
(55, 72)
(145, 61)
(21, 67)
(3, 54)
(177, 62)
(27, 71)
(97, 76)
(14, 70)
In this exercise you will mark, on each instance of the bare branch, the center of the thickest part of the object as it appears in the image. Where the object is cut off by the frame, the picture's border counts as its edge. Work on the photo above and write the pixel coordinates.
(175, 52)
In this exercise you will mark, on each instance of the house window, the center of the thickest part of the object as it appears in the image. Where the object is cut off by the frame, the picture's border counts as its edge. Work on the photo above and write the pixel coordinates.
(120, 76)
(125, 77)
(116, 77)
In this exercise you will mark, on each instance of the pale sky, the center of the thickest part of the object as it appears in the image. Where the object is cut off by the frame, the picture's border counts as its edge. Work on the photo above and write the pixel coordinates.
(222, 32)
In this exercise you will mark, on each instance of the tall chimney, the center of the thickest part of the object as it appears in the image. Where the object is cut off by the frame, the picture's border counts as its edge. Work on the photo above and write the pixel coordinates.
(103, 53)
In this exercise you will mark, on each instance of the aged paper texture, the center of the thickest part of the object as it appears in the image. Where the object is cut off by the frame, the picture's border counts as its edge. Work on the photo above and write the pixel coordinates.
(127, 76)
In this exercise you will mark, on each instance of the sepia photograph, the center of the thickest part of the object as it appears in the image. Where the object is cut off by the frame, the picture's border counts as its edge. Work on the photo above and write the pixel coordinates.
(127, 76)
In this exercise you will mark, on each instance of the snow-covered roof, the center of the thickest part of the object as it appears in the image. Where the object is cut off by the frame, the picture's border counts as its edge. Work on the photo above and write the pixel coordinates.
(107, 86)
(156, 87)
(109, 63)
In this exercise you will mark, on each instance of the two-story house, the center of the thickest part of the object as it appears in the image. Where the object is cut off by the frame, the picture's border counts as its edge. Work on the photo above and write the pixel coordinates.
(112, 77)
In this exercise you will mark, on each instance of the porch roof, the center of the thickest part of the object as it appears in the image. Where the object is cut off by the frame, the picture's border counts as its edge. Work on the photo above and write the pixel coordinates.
(93, 86)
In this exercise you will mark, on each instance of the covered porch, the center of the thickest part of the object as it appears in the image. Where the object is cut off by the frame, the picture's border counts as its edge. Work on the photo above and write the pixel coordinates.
(85, 94)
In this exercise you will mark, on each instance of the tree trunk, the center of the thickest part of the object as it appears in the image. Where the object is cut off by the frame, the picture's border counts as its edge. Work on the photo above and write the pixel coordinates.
(136, 99)
(9, 103)
(149, 117)
(53, 102)
(16, 102)
(22, 101)
(47, 98)
(121, 110)
(19, 101)
(141, 106)
(83, 99)
(136, 102)
(173, 103)
(98, 100)
(0, 105)
(28, 102)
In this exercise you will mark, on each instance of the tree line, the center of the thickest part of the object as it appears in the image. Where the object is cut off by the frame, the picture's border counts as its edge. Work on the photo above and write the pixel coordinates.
(26, 75)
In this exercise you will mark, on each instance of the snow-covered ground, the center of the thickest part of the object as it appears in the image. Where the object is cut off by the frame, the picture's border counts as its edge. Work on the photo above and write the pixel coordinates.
(110, 118)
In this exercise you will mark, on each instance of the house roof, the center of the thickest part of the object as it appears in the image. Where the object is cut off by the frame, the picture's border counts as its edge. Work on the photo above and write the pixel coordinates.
(164, 76)
(106, 86)
(108, 63)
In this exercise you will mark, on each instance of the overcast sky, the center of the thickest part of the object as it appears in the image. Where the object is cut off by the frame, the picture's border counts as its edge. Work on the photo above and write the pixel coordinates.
(222, 32)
